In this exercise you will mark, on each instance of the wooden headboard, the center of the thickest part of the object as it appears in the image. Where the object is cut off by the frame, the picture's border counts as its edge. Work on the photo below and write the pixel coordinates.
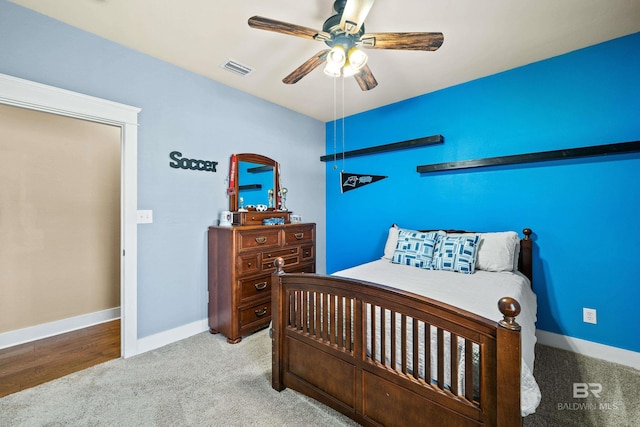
(525, 262)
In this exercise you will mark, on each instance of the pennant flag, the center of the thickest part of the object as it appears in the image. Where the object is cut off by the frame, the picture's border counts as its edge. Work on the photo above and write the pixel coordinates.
(350, 181)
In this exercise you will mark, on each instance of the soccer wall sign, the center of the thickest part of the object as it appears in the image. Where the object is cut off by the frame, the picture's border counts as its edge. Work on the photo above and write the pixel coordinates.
(179, 162)
(351, 181)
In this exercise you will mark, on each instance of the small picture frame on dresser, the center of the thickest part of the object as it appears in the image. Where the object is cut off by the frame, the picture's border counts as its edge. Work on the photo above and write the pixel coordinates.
(295, 219)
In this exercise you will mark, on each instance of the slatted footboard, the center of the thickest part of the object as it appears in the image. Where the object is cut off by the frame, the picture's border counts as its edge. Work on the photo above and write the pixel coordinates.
(388, 357)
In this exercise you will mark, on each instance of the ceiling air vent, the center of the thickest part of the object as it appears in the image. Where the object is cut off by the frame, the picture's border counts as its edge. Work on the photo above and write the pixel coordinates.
(236, 67)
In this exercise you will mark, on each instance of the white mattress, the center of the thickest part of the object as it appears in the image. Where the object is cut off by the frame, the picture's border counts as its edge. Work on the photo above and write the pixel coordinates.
(478, 293)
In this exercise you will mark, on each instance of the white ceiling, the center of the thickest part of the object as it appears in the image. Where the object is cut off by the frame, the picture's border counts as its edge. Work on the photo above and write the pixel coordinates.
(480, 38)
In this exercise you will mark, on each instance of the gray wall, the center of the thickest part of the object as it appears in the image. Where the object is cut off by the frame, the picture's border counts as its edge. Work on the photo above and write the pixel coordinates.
(181, 111)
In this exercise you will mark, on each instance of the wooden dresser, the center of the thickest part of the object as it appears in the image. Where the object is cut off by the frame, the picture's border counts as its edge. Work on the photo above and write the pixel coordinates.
(241, 260)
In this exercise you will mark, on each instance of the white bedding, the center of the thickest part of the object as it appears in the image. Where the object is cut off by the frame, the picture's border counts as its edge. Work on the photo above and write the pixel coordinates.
(478, 293)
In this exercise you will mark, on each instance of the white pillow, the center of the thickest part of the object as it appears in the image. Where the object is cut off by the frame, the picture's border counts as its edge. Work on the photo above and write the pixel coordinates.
(497, 251)
(392, 241)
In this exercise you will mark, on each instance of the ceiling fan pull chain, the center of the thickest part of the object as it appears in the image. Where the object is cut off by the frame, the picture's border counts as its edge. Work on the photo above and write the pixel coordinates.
(342, 123)
(335, 128)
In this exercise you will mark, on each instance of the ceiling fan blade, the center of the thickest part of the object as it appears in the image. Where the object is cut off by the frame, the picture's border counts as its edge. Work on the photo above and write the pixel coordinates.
(365, 78)
(310, 65)
(354, 14)
(262, 23)
(403, 41)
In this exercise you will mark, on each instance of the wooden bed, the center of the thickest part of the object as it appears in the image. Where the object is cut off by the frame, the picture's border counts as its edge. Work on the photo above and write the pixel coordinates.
(322, 347)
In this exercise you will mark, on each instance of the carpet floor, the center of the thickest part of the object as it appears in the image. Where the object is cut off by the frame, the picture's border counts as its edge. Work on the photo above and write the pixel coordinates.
(203, 381)
(199, 381)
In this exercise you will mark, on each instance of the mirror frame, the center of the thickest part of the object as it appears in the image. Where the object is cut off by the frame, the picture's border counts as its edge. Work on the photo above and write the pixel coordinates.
(259, 160)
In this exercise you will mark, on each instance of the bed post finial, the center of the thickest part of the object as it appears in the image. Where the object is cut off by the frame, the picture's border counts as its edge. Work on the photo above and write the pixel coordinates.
(509, 308)
(527, 233)
(279, 263)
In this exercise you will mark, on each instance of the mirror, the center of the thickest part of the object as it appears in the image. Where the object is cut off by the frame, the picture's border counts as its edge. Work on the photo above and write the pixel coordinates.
(255, 176)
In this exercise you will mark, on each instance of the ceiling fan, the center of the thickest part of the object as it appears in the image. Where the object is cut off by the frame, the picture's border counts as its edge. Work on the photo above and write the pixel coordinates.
(344, 34)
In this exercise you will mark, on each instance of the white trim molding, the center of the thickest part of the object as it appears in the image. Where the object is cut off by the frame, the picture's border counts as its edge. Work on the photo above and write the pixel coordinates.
(35, 96)
(589, 348)
(45, 330)
(161, 339)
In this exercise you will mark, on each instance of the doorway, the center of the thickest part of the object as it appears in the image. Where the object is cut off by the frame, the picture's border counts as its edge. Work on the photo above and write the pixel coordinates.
(34, 96)
(59, 218)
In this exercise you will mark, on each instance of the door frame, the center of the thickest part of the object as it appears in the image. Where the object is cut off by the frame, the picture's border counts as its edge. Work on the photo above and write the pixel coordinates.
(35, 96)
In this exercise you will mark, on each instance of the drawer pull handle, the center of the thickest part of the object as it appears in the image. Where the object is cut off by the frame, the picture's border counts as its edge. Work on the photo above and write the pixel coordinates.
(298, 235)
(261, 240)
(293, 251)
(260, 286)
(260, 313)
(248, 264)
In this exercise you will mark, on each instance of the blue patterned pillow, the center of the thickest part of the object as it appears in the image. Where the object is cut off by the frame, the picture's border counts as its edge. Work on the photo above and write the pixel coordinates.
(456, 253)
(415, 248)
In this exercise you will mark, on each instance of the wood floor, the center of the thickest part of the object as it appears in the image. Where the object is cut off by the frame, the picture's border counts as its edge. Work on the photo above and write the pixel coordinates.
(28, 365)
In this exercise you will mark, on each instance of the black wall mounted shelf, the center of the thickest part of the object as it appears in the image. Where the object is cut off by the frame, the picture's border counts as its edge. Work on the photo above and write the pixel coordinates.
(411, 143)
(250, 187)
(541, 156)
(265, 168)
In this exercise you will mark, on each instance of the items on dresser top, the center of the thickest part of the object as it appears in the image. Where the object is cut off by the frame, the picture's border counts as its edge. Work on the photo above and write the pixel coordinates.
(273, 221)
(225, 219)
(241, 260)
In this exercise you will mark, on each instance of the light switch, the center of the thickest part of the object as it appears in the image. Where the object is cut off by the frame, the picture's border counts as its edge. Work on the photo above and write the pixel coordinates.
(145, 216)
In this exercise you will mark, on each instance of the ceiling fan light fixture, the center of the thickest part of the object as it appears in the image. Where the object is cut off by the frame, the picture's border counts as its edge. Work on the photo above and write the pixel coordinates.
(332, 70)
(349, 70)
(336, 57)
(357, 57)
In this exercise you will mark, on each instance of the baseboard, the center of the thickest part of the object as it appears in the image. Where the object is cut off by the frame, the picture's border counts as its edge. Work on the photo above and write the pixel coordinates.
(591, 349)
(45, 330)
(172, 335)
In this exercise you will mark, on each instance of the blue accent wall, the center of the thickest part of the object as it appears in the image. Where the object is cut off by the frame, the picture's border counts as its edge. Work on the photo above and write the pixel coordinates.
(584, 212)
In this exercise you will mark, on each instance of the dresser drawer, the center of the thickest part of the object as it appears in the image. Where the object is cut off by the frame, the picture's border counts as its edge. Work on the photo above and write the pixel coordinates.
(248, 264)
(272, 255)
(255, 288)
(307, 253)
(251, 239)
(297, 235)
(257, 218)
(270, 265)
(260, 313)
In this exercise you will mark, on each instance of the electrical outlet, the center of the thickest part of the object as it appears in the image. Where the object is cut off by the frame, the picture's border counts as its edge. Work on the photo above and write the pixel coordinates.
(589, 315)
